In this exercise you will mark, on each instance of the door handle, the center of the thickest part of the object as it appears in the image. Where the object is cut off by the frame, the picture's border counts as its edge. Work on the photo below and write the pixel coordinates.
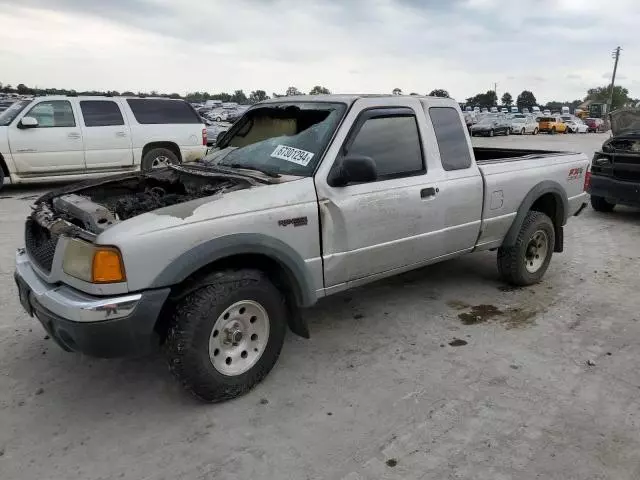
(429, 192)
(74, 136)
(121, 134)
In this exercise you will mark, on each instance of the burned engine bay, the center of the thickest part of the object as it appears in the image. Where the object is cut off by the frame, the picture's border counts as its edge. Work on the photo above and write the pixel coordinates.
(93, 206)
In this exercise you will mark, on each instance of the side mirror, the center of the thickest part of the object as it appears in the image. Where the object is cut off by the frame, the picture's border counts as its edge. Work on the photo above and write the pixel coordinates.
(28, 122)
(353, 169)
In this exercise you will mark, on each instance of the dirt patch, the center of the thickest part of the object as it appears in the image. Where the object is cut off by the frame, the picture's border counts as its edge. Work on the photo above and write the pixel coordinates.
(510, 318)
(457, 342)
(458, 305)
(509, 288)
(479, 314)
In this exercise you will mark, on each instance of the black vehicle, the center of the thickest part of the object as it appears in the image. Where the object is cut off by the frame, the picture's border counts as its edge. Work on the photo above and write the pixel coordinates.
(490, 126)
(615, 169)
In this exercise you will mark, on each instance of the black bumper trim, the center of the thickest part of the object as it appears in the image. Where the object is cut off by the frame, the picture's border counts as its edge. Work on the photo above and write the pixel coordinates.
(615, 191)
(123, 337)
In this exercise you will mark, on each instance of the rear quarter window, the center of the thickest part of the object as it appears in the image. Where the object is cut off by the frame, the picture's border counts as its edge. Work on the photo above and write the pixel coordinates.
(158, 111)
(451, 138)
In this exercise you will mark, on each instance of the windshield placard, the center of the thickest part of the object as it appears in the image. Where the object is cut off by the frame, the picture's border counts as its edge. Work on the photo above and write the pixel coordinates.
(294, 155)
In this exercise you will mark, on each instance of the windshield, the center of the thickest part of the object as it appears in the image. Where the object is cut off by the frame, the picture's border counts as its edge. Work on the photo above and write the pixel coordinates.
(282, 138)
(547, 119)
(12, 112)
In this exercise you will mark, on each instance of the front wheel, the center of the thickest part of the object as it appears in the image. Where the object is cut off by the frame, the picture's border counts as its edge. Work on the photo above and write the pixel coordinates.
(522, 132)
(553, 131)
(507, 132)
(226, 336)
(535, 131)
(600, 204)
(526, 262)
(491, 133)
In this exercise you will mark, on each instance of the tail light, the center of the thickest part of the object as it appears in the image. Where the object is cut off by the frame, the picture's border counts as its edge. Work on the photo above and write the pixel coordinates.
(204, 137)
(587, 181)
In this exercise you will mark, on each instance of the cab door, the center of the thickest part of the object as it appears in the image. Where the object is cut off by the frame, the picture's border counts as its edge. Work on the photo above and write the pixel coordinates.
(53, 145)
(107, 138)
(379, 226)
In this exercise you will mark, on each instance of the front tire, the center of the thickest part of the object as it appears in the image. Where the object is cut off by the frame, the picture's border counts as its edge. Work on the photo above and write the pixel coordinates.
(522, 132)
(600, 204)
(535, 131)
(553, 131)
(226, 336)
(526, 262)
(508, 132)
(491, 133)
(158, 158)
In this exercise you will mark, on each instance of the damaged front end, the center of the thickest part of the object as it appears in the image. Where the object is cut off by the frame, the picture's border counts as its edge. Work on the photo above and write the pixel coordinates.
(87, 209)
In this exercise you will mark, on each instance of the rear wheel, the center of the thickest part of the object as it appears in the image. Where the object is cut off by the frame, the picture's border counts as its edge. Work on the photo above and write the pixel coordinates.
(600, 204)
(226, 336)
(553, 131)
(526, 262)
(507, 132)
(1, 178)
(522, 132)
(491, 133)
(535, 131)
(158, 158)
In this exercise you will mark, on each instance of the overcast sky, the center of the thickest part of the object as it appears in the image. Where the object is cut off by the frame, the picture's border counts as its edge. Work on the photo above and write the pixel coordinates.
(556, 48)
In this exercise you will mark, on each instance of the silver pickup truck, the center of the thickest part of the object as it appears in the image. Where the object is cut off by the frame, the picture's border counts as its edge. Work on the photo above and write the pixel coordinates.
(303, 197)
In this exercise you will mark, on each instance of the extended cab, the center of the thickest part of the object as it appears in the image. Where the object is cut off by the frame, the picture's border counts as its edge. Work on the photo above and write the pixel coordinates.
(304, 197)
(61, 138)
(615, 169)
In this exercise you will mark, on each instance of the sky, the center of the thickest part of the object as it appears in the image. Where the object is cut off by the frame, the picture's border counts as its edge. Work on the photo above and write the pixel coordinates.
(555, 48)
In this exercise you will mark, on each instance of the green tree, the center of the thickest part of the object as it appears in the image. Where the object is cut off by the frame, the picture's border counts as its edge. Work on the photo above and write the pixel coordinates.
(239, 97)
(258, 96)
(526, 99)
(488, 99)
(291, 91)
(439, 92)
(602, 94)
(507, 99)
(397, 91)
(23, 89)
(318, 90)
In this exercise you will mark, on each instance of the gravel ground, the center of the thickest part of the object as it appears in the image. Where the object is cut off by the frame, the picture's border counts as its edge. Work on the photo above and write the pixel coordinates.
(544, 382)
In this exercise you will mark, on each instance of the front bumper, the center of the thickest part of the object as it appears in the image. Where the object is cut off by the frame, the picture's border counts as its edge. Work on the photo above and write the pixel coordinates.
(98, 326)
(615, 191)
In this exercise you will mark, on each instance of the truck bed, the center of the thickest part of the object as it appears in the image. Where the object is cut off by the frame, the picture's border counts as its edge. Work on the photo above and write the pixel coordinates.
(498, 155)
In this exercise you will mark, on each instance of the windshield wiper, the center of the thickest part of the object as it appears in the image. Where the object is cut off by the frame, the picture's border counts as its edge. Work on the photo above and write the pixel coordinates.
(257, 169)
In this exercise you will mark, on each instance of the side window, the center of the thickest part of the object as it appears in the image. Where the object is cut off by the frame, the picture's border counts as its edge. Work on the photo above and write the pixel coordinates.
(101, 113)
(392, 142)
(160, 111)
(54, 113)
(452, 141)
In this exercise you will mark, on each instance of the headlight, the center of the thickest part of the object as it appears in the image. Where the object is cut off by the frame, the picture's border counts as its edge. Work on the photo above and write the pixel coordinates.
(93, 263)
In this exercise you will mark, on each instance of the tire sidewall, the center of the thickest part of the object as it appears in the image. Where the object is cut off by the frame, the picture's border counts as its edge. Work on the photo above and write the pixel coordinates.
(1, 178)
(542, 223)
(151, 155)
(199, 360)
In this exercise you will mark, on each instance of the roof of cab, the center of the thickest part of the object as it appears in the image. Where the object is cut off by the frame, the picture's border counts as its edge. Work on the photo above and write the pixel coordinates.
(343, 98)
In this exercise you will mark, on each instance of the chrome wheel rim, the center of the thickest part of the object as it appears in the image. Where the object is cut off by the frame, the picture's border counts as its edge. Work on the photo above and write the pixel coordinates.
(161, 161)
(536, 251)
(239, 338)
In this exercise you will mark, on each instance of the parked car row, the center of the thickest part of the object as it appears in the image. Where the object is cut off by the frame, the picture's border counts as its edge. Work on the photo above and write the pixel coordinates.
(490, 124)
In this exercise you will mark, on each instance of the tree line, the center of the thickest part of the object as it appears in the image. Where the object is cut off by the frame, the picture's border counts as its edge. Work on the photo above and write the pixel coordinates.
(526, 99)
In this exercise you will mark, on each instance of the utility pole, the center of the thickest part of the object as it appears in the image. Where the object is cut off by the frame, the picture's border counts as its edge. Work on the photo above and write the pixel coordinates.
(616, 55)
(495, 90)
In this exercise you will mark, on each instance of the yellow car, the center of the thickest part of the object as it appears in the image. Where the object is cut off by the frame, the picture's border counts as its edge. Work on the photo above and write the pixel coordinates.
(552, 125)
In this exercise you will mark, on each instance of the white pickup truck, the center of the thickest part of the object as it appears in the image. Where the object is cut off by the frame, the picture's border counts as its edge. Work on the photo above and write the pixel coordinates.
(304, 197)
(60, 138)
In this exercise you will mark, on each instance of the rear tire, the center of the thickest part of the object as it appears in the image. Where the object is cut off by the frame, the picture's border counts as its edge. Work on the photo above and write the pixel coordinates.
(553, 131)
(158, 158)
(526, 262)
(508, 132)
(226, 335)
(491, 133)
(535, 131)
(522, 132)
(1, 178)
(600, 204)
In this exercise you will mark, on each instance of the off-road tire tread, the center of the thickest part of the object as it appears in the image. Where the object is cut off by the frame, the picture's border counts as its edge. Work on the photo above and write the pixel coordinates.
(189, 316)
(510, 265)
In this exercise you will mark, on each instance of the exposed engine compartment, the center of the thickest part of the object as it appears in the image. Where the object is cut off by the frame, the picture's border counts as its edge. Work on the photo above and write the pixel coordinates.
(97, 205)
(622, 145)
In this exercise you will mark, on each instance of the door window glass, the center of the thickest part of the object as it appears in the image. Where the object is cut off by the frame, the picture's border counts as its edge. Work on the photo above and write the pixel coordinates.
(53, 113)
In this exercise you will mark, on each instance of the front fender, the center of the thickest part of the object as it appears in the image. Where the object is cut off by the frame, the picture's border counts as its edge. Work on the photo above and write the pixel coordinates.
(227, 246)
